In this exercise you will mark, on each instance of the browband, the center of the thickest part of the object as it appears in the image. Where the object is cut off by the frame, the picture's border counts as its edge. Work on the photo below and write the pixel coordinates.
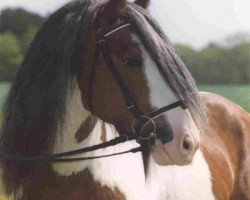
(112, 29)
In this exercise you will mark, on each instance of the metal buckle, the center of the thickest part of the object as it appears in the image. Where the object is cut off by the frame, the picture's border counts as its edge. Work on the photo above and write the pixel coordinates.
(151, 135)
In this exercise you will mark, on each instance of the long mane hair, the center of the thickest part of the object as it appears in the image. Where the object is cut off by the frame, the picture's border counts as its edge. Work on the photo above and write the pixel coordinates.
(36, 103)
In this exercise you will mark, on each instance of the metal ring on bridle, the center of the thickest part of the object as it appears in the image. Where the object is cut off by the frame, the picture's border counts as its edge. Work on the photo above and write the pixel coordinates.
(145, 124)
(101, 41)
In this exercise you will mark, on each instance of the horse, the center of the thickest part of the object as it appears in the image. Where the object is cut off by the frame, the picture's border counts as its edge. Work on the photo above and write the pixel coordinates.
(101, 70)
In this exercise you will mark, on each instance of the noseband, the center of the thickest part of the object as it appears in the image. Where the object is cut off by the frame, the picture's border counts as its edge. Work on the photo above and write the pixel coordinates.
(141, 120)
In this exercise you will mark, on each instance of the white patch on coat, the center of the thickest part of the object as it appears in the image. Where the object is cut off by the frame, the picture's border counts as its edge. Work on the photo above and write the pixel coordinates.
(160, 93)
(190, 182)
(74, 117)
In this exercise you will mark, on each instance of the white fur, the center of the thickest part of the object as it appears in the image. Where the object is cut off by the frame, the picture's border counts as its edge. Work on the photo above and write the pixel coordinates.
(160, 93)
(74, 117)
(182, 182)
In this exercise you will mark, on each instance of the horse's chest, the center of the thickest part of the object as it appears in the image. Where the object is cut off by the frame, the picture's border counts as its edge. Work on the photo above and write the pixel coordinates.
(119, 182)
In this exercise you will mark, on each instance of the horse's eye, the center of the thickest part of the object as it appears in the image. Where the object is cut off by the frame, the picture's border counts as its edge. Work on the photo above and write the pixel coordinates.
(134, 62)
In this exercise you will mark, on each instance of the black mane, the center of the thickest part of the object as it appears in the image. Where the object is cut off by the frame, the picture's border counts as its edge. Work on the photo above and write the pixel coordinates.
(37, 100)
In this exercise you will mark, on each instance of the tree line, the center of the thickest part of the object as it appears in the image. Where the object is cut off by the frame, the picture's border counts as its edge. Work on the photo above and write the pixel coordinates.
(227, 63)
(17, 29)
(219, 64)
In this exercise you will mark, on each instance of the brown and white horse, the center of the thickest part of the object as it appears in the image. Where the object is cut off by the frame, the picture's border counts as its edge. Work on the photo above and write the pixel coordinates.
(64, 97)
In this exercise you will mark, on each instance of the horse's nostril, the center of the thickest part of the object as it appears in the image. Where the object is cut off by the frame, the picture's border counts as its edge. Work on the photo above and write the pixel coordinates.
(186, 145)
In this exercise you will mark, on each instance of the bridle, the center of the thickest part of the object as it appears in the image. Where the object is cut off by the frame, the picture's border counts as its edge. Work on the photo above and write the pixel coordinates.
(141, 120)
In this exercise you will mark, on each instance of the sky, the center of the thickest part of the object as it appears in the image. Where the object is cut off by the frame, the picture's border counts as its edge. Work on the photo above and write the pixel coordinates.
(192, 22)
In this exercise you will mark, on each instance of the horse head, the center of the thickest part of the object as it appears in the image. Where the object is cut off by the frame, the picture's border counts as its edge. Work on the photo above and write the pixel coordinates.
(128, 62)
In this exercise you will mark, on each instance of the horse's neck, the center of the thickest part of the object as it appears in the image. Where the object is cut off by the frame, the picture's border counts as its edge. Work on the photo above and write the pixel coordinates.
(114, 172)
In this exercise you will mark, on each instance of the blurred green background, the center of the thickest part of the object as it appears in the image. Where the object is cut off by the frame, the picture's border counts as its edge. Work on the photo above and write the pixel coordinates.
(223, 68)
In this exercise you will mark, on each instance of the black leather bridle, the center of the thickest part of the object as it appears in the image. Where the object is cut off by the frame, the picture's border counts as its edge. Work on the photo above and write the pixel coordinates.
(141, 120)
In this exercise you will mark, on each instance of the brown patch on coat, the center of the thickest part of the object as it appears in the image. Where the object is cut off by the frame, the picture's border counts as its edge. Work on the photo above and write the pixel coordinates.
(224, 144)
(81, 186)
(86, 128)
(95, 190)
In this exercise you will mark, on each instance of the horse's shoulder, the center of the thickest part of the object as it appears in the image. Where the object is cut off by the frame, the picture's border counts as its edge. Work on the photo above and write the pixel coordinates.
(227, 114)
(227, 118)
(228, 134)
(222, 107)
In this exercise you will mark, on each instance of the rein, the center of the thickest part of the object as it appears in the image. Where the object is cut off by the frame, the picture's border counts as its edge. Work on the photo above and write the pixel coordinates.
(60, 156)
(141, 120)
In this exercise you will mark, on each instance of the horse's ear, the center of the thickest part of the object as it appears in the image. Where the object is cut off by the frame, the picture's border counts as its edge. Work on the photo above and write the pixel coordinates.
(142, 3)
(111, 11)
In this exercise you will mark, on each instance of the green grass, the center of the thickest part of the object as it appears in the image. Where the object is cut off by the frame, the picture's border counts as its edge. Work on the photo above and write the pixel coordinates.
(237, 93)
